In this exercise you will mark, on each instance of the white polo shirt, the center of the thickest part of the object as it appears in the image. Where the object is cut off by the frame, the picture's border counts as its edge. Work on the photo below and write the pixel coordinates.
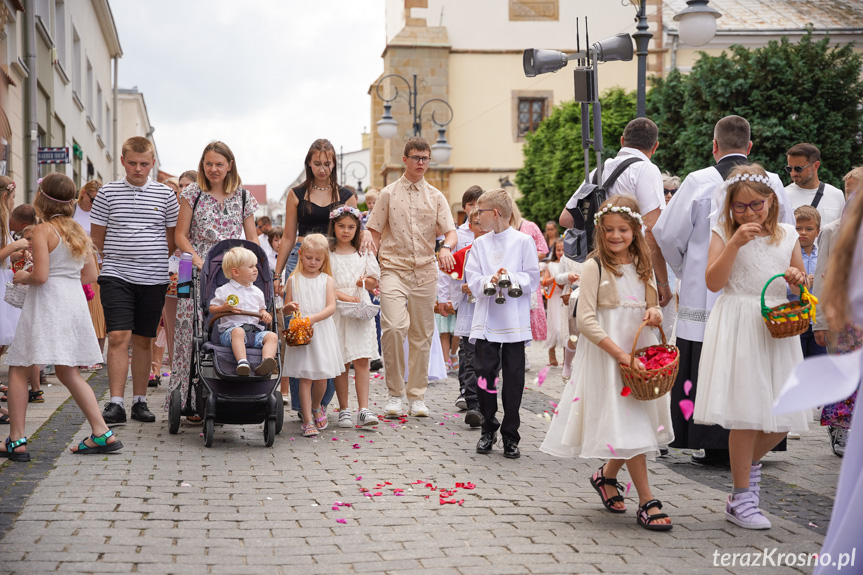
(642, 180)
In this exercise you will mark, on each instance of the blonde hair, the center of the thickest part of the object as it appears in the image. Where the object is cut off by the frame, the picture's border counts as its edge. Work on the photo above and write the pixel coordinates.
(91, 186)
(855, 174)
(54, 203)
(638, 248)
(315, 243)
(173, 183)
(232, 178)
(807, 213)
(139, 145)
(236, 257)
(839, 267)
(372, 193)
(498, 199)
(771, 224)
(7, 188)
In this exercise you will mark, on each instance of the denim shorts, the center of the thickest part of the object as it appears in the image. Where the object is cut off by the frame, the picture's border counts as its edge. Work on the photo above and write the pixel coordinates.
(225, 338)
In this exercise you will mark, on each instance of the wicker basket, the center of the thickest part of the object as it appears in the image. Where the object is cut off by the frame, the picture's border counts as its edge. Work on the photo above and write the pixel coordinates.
(791, 318)
(15, 294)
(648, 384)
(297, 334)
(361, 310)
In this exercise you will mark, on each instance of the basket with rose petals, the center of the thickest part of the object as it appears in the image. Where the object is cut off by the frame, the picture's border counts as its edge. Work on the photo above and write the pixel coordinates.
(661, 363)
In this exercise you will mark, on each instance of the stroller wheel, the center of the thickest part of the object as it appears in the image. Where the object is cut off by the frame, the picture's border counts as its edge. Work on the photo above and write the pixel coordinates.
(208, 432)
(174, 411)
(280, 414)
(269, 432)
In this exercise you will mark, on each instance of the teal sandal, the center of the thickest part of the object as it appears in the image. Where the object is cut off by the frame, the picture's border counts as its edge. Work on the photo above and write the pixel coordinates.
(102, 445)
(10, 453)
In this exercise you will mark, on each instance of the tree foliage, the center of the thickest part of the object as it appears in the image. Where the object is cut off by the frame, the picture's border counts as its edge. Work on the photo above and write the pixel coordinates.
(810, 91)
(554, 159)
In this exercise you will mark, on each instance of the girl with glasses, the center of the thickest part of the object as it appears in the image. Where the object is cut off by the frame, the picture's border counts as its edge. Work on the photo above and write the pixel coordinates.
(736, 387)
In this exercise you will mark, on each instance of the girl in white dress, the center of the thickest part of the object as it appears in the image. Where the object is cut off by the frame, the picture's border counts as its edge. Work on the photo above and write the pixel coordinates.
(593, 419)
(311, 291)
(354, 274)
(742, 367)
(55, 326)
(555, 315)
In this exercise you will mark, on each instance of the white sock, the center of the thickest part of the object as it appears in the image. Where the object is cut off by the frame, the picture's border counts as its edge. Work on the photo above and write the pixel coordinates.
(118, 401)
(139, 398)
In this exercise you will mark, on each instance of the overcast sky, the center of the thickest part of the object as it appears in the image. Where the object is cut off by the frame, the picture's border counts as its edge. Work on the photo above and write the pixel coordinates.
(267, 77)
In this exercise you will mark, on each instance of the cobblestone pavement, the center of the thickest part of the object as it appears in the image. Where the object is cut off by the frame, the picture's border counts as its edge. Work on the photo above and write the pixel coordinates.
(166, 504)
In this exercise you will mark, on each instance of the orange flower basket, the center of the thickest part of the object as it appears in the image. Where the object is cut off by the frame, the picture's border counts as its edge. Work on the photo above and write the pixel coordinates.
(648, 384)
(299, 331)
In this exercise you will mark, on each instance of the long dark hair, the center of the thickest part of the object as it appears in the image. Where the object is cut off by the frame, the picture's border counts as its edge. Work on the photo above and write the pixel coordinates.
(321, 146)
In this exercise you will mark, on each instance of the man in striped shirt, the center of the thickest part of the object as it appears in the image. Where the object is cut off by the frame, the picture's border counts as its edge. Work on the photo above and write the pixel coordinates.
(132, 225)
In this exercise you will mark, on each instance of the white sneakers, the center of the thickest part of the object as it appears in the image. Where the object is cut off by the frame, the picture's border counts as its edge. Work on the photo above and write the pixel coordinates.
(395, 407)
(345, 419)
(419, 409)
(365, 418)
(742, 510)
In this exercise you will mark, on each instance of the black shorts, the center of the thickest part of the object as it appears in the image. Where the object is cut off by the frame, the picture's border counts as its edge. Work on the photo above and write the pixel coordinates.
(129, 306)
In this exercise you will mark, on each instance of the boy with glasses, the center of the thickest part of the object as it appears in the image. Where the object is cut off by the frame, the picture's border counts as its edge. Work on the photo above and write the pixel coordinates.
(806, 189)
(403, 225)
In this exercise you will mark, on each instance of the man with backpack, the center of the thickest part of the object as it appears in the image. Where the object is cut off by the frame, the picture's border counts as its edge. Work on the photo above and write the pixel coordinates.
(631, 172)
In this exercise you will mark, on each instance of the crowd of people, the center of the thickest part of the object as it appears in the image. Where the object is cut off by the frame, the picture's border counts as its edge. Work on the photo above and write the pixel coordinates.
(690, 257)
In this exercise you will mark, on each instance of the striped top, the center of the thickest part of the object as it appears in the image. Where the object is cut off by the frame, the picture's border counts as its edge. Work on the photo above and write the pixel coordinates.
(136, 247)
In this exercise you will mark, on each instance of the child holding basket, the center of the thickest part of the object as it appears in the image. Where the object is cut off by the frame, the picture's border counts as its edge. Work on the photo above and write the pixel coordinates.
(595, 417)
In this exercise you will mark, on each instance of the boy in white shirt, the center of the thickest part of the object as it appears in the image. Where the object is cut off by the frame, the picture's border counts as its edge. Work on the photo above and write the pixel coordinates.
(499, 331)
(240, 294)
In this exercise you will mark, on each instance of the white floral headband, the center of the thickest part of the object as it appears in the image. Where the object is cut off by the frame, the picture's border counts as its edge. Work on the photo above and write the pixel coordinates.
(342, 210)
(616, 210)
(748, 178)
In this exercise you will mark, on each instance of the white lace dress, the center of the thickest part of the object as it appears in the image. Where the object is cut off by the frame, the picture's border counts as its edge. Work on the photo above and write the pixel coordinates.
(322, 357)
(742, 367)
(592, 419)
(55, 325)
(357, 337)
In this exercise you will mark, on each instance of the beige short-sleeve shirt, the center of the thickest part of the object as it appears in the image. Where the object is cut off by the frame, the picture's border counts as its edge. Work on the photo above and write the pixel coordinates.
(407, 215)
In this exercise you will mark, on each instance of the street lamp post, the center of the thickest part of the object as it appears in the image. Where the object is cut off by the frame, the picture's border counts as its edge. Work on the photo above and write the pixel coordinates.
(353, 174)
(697, 26)
(388, 128)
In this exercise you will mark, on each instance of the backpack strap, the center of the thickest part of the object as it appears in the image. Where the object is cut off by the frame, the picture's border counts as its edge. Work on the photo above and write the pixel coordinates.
(818, 195)
(618, 171)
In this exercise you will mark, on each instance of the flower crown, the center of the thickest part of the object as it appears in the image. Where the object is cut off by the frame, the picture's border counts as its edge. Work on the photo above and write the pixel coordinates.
(344, 209)
(748, 178)
(616, 210)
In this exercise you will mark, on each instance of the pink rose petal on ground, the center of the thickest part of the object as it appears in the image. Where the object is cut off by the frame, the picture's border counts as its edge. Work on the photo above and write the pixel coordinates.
(687, 387)
(553, 404)
(628, 485)
(611, 449)
(687, 407)
(359, 478)
(342, 521)
(540, 377)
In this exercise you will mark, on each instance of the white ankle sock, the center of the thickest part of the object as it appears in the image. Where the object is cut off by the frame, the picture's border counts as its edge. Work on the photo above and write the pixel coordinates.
(118, 401)
(138, 398)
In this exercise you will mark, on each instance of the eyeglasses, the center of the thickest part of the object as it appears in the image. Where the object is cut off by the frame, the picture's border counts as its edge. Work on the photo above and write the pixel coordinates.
(481, 210)
(420, 159)
(670, 191)
(740, 207)
(798, 169)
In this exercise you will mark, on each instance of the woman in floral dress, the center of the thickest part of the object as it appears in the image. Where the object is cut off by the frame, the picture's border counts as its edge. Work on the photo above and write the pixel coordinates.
(213, 209)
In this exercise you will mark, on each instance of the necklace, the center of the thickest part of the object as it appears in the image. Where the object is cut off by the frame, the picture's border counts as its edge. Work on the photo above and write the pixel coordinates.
(320, 188)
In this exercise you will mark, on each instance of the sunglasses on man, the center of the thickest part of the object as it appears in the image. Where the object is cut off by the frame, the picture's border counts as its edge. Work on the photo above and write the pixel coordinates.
(798, 169)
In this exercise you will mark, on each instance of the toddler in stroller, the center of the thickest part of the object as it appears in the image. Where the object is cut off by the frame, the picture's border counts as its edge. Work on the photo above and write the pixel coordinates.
(223, 387)
(241, 294)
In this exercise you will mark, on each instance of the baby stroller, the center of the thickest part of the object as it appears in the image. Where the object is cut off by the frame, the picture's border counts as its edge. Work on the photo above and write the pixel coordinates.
(222, 396)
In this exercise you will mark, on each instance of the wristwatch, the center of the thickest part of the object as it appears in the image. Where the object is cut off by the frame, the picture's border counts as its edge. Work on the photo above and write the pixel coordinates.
(447, 247)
